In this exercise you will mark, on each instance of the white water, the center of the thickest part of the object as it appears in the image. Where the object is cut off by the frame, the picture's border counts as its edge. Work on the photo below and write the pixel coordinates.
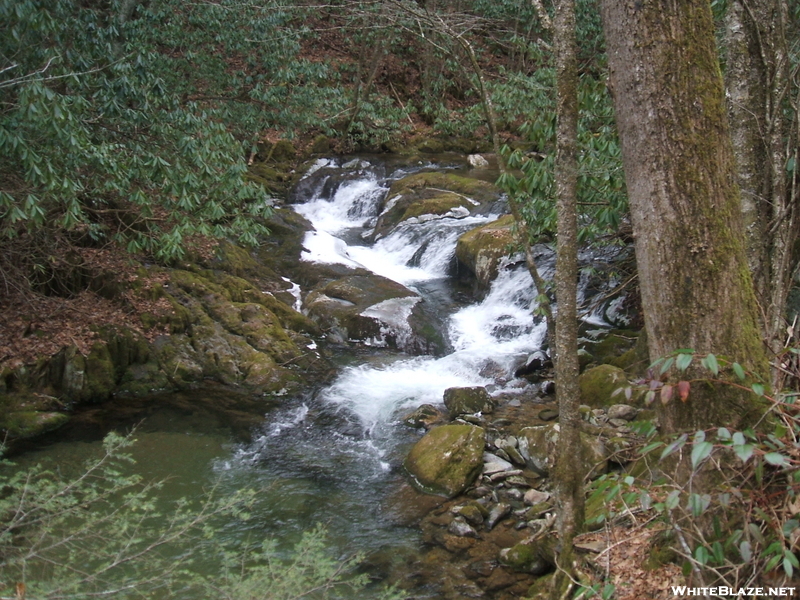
(489, 338)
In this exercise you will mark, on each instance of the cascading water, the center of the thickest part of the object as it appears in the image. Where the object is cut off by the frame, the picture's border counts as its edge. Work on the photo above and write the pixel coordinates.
(336, 457)
(488, 337)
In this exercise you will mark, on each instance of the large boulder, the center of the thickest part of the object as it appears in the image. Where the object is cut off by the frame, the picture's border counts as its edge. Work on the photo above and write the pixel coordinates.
(538, 445)
(375, 311)
(467, 401)
(447, 459)
(435, 194)
(482, 249)
(599, 386)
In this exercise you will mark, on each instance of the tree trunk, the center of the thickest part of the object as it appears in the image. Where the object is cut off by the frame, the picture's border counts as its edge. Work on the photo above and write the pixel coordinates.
(568, 477)
(757, 84)
(685, 206)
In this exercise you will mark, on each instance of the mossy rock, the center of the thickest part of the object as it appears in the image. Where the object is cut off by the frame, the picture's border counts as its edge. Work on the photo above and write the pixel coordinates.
(28, 424)
(376, 311)
(538, 447)
(101, 378)
(599, 384)
(481, 249)
(447, 459)
(610, 344)
(432, 193)
(468, 400)
(26, 414)
(526, 557)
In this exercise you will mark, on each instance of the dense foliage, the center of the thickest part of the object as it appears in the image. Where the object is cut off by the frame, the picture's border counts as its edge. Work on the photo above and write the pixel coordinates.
(97, 144)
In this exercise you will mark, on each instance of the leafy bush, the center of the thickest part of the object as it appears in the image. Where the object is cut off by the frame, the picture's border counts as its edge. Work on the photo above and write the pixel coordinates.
(105, 532)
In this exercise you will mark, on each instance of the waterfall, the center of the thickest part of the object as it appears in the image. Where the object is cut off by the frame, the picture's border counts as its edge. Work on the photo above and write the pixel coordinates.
(489, 337)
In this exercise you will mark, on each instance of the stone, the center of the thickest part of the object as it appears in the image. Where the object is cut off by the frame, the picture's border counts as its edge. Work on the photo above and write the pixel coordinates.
(622, 411)
(433, 194)
(494, 464)
(548, 388)
(548, 414)
(477, 161)
(467, 400)
(473, 513)
(538, 446)
(599, 384)
(525, 558)
(447, 459)
(461, 528)
(482, 250)
(496, 514)
(533, 497)
(425, 416)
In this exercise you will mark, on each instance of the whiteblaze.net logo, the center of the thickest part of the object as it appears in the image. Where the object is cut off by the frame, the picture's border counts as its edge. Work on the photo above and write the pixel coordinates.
(682, 590)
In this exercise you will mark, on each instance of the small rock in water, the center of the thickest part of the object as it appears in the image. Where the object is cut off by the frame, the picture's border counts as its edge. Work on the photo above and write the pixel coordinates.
(548, 387)
(461, 528)
(425, 416)
(479, 492)
(515, 403)
(473, 513)
(497, 513)
(477, 161)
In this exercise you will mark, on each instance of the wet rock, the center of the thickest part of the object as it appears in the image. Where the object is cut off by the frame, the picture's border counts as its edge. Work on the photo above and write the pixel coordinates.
(461, 528)
(477, 161)
(502, 454)
(447, 459)
(548, 388)
(622, 411)
(425, 416)
(481, 251)
(432, 194)
(535, 364)
(480, 568)
(473, 512)
(496, 514)
(467, 400)
(513, 494)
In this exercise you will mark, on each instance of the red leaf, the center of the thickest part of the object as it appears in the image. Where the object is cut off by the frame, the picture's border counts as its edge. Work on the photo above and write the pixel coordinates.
(683, 390)
(666, 394)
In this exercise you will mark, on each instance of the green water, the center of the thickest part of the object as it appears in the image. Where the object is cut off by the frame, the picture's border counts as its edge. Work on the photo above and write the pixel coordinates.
(303, 470)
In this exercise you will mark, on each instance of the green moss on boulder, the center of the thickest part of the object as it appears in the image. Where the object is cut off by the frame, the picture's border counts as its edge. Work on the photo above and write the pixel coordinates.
(468, 400)
(434, 194)
(599, 384)
(447, 459)
(481, 249)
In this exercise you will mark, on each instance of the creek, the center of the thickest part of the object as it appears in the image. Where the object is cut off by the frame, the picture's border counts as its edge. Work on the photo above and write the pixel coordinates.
(334, 455)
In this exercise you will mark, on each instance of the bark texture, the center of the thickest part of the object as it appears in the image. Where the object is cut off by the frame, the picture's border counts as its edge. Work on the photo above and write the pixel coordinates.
(685, 205)
(757, 86)
(568, 476)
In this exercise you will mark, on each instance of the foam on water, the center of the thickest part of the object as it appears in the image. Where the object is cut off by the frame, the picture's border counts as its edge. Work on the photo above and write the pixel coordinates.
(491, 336)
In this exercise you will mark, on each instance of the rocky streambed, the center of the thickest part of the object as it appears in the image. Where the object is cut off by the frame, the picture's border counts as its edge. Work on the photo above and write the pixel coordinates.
(388, 295)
